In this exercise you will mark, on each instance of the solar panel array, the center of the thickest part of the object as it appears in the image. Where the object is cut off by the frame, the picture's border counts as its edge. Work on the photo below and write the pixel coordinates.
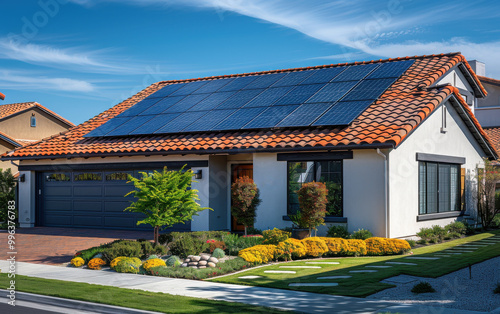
(319, 97)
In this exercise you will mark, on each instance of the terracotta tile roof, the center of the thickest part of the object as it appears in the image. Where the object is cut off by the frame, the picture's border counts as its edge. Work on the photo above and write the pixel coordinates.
(9, 139)
(494, 134)
(2, 96)
(489, 80)
(387, 122)
(10, 109)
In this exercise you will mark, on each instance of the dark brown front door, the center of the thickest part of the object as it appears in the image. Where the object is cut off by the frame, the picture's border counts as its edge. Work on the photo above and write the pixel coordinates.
(239, 171)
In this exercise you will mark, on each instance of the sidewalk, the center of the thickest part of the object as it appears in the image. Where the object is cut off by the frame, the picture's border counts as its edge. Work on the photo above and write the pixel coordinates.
(276, 298)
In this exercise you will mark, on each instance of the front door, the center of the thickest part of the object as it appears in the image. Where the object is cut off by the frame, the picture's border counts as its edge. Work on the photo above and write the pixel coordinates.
(238, 171)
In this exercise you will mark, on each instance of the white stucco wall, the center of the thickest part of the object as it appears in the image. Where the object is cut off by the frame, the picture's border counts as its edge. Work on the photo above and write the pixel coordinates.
(201, 222)
(26, 206)
(427, 138)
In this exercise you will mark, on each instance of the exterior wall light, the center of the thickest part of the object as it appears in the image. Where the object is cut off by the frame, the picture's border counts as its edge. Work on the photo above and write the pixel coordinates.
(22, 178)
(198, 174)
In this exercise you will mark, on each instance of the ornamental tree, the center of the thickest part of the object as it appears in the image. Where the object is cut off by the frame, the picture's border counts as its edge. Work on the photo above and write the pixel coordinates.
(488, 204)
(166, 198)
(244, 201)
(312, 203)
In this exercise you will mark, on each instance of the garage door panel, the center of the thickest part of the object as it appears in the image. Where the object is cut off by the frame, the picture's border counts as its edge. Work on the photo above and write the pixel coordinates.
(57, 191)
(87, 191)
(120, 222)
(58, 205)
(57, 220)
(115, 206)
(87, 206)
(88, 221)
(118, 191)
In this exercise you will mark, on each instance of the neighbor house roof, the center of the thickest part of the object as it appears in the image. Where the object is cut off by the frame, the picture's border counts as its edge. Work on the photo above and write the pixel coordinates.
(489, 80)
(494, 134)
(385, 123)
(8, 110)
(12, 141)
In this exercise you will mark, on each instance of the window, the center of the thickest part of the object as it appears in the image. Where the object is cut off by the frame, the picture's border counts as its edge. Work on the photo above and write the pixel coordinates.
(328, 172)
(439, 187)
(33, 121)
(88, 176)
(118, 176)
(53, 177)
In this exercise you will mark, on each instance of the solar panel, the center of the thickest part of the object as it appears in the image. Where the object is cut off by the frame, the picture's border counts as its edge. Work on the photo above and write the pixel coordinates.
(343, 113)
(264, 81)
(139, 107)
(268, 96)
(240, 99)
(332, 92)
(213, 86)
(186, 103)
(162, 105)
(212, 101)
(304, 115)
(356, 72)
(189, 88)
(210, 120)
(323, 75)
(299, 94)
(180, 122)
(154, 124)
(369, 89)
(129, 126)
(270, 117)
(238, 83)
(108, 126)
(391, 69)
(167, 90)
(238, 119)
(293, 78)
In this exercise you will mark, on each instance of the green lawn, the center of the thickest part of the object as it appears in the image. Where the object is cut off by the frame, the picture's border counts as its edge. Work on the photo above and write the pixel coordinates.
(151, 301)
(364, 284)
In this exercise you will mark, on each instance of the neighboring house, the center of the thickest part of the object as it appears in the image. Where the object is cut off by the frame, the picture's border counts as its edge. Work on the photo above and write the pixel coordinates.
(396, 146)
(23, 124)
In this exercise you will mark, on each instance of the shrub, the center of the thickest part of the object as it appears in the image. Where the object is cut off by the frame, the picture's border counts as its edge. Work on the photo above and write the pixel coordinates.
(218, 253)
(361, 234)
(89, 253)
(338, 232)
(185, 246)
(150, 263)
(129, 265)
(153, 256)
(470, 229)
(439, 232)
(383, 246)
(77, 262)
(96, 263)
(312, 203)
(497, 289)
(123, 248)
(290, 248)
(336, 246)
(116, 260)
(7, 196)
(148, 248)
(496, 221)
(275, 236)
(315, 246)
(453, 235)
(216, 244)
(355, 247)
(423, 287)
(235, 243)
(202, 235)
(244, 201)
(412, 243)
(426, 234)
(253, 231)
(173, 261)
(456, 227)
(258, 254)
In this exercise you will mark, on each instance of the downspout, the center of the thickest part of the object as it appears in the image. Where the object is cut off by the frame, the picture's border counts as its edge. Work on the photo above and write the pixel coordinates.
(12, 162)
(386, 183)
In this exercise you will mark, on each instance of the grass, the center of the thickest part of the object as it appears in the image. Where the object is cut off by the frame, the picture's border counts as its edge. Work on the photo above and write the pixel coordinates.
(143, 300)
(361, 285)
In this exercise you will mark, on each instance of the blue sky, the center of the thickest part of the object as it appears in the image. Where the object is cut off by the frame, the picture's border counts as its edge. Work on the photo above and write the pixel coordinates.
(80, 57)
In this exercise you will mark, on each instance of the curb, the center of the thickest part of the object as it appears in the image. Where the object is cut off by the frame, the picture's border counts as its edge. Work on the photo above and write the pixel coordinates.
(75, 304)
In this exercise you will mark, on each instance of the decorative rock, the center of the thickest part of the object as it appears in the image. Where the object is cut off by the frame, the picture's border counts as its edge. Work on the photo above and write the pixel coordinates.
(195, 258)
(194, 267)
(201, 267)
(184, 264)
(210, 264)
(187, 260)
(213, 260)
(205, 256)
(193, 263)
(202, 263)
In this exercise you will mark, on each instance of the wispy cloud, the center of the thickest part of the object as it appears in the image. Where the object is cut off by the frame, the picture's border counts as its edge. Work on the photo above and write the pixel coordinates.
(23, 81)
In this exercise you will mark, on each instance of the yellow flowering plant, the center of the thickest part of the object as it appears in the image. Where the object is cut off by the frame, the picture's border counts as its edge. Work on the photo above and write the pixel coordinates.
(150, 263)
(336, 246)
(290, 248)
(258, 254)
(77, 262)
(315, 246)
(116, 260)
(355, 247)
(96, 263)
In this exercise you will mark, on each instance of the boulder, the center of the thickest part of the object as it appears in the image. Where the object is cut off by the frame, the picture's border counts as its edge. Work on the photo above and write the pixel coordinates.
(205, 256)
(210, 264)
(193, 263)
(187, 260)
(202, 263)
(213, 260)
(184, 264)
(201, 267)
(195, 258)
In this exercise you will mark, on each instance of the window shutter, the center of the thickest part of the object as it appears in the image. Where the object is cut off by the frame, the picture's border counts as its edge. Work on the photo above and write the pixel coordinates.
(462, 187)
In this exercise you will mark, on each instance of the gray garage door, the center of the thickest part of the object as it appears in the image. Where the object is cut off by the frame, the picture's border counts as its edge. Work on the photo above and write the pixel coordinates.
(88, 199)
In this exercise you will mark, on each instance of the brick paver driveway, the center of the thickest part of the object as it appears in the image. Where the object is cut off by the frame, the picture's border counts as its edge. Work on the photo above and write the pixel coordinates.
(58, 245)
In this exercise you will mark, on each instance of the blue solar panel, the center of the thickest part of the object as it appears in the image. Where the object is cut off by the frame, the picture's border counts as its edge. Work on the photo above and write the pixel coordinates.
(154, 124)
(108, 126)
(293, 78)
(323, 75)
(129, 126)
(213, 86)
(304, 115)
(179, 123)
(356, 72)
(240, 99)
(264, 81)
(167, 90)
(299, 94)
(332, 92)
(268, 96)
(238, 119)
(270, 117)
(391, 69)
(369, 89)
(238, 83)
(210, 120)
(162, 105)
(212, 101)
(139, 107)
(189, 88)
(186, 103)
(343, 113)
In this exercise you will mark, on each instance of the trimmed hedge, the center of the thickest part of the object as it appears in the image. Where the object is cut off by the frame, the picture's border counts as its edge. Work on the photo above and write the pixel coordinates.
(258, 254)
(315, 246)
(383, 246)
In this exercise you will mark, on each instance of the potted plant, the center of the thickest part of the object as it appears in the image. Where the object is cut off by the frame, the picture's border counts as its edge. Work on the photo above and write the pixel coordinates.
(312, 204)
(299, 231)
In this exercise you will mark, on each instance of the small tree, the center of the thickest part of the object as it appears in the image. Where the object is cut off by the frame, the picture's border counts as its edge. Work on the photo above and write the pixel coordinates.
(488, 204)
(244, 201)
(312, 203)
(166, 198)
(7, 192)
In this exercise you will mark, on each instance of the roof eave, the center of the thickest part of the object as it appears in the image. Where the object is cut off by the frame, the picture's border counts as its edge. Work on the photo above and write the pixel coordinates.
(472, 80)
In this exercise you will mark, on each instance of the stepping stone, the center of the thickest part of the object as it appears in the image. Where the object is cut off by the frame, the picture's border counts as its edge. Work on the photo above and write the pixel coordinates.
(452, 253)
(422, 257)
(280, 272)
(249, 277)
(377, 266)
(442, 255)
(300, 266)
(460, 251)
(401, 263)
(364, 271)
(334, 277)
(489, 243)
(314, 284)
(473, 245)
(325, 263)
